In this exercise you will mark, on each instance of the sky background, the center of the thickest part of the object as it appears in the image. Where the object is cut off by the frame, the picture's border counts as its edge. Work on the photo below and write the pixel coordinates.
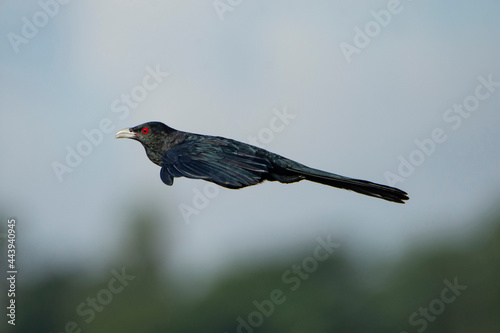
(229, 72)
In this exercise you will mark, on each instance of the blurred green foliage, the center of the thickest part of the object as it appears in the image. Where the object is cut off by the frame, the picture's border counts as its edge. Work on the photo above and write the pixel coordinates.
(411, 295)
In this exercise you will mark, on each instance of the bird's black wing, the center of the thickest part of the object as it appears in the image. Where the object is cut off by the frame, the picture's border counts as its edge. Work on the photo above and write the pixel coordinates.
(223, 161)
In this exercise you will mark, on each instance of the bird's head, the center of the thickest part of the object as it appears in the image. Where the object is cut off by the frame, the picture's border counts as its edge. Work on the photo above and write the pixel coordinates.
(146, 133)
(154, 136)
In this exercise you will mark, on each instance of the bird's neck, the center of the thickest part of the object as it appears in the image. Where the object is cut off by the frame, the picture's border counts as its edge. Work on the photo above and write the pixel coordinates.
(155, 150)
(154, 155)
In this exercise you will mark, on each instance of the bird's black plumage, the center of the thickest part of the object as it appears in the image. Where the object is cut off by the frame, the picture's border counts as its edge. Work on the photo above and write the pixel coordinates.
(233, 164)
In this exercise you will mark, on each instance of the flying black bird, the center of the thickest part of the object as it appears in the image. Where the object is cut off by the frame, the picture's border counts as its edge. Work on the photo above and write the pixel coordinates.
(233, 164)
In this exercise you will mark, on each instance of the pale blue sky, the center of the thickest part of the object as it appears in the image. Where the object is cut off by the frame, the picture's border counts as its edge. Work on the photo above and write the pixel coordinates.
(226, 78)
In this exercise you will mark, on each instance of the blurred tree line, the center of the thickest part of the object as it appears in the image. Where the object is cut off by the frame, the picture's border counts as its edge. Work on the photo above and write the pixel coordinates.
(455, 288)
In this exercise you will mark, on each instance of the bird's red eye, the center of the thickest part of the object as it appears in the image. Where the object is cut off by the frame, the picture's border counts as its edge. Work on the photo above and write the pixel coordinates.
(145, 130)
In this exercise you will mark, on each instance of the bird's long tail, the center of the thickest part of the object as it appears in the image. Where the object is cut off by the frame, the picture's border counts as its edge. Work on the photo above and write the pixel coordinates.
(357, 185)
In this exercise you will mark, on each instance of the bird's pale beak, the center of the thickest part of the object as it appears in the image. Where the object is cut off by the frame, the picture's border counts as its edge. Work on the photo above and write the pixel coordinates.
(125, 134)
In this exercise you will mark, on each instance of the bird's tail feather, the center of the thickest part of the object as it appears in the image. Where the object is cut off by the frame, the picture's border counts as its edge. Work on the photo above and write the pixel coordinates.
(357, 185)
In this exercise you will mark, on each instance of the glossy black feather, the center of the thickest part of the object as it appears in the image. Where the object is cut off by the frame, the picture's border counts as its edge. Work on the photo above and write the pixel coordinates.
(222, 161)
